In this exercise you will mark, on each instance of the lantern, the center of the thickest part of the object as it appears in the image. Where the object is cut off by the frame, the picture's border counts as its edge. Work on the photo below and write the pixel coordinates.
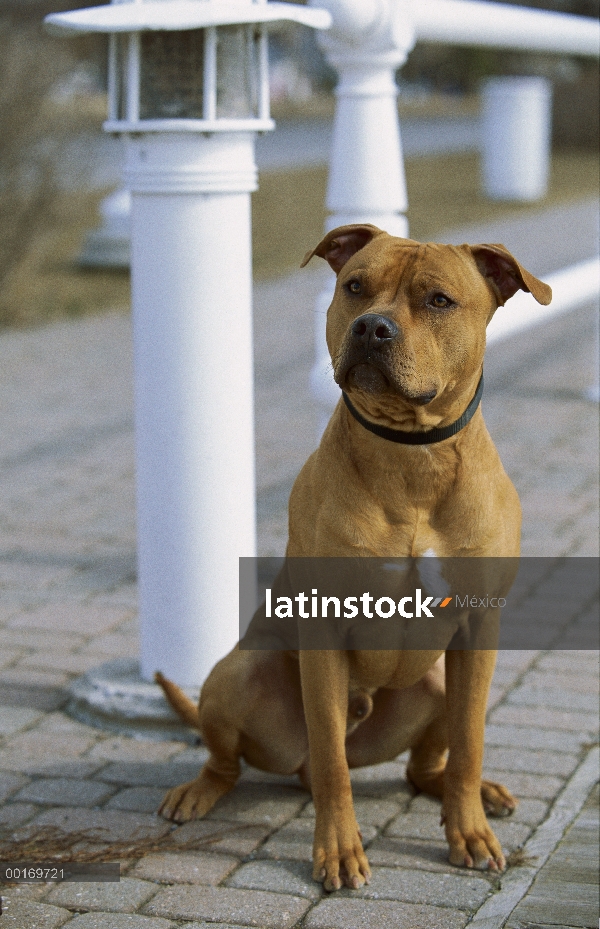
(188, 90)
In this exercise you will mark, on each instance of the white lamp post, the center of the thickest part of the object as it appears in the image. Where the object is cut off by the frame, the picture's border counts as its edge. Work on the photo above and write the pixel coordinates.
(188, 89)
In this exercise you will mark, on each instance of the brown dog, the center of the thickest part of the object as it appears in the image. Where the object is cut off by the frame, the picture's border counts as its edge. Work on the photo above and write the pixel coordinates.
(406, 333)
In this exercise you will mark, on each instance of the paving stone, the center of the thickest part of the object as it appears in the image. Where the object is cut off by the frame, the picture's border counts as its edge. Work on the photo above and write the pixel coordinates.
(271, 805)
(124, 896)
(137, 799)
(185, 868)
(107, 824)
(578, 681)
(339, 913)
(9, 655)
(426, 805)
(204, 925)
(528, 811)
(122, 748)
(39, 638)
(69, 662)
(385, 781)
(26, 694)
(71, 768)
(10, 782)
(25, 914)
(544, 718)
(575, 662)
(411, 854)
(52, 756)
(13, 719)
(530, 761)
(369, 811)
(195, 756)
(14, 814)
(295, 840)
(68, 616)
(581, 836)
(149, 774)
(226, 838)
(555, 740)
(572, 862)
(448, 890)
(563, 891)
(541, 786)
(283, 877)
(417, 826)
(119, 921)
(510, 834)
(252, 775)
(534, 910)
(32, 677)
(516, 659)
(62, 791)
(554, 698)
(226, 904)
(112, 645)
(32, 744)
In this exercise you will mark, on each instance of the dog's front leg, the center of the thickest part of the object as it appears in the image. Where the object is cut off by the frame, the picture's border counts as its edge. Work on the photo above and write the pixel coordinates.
(472, 842)
(338, 855)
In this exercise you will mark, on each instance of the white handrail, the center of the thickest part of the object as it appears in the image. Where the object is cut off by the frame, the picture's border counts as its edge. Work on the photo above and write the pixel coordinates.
(469, 22)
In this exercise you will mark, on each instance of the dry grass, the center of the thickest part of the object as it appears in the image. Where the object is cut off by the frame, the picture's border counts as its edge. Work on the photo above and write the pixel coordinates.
(288, 217)
(89, 845)
(443, 192)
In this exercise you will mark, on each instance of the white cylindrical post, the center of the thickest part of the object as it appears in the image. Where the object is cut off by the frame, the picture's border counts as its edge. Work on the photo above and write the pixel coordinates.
(516, 127)
(191, 293)
(368, 42)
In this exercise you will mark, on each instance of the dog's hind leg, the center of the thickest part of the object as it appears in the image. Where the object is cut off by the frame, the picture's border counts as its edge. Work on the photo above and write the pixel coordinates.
(218, 776)
(425, 769)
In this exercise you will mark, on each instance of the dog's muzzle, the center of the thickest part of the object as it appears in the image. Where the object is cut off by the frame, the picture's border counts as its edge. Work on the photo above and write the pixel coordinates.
(366, 360)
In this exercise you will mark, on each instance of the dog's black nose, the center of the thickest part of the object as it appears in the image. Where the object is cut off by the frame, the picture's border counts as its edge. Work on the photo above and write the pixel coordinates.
(374, 329)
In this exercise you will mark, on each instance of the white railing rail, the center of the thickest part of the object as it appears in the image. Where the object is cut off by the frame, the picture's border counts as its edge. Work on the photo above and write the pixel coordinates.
(368, 41)
(496, 25)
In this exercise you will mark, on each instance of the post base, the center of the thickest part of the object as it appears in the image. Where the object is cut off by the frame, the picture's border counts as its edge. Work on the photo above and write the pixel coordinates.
(114, 697)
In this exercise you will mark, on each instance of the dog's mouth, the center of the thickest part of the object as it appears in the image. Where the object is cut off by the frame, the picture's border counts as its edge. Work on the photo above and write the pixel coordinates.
(369, 378)
(366, 376)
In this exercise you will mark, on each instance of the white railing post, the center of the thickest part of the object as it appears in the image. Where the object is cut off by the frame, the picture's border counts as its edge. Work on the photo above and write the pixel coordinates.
(369, 41)
(516, 130)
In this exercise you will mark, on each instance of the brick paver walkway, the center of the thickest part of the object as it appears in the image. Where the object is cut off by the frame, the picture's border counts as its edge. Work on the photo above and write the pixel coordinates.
(68, 603)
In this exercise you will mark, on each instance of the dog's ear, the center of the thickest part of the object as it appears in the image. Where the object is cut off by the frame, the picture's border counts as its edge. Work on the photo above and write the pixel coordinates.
(506, 275)
(341, 244)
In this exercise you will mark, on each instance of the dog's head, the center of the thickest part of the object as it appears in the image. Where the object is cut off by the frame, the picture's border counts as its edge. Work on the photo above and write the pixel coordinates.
(406, 328)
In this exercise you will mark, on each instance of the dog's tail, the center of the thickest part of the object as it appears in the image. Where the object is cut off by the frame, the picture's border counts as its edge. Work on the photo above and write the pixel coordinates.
(185, 708)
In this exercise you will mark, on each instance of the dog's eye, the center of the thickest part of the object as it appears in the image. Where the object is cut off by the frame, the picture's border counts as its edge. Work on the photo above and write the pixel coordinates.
(354, 287)
(440, 301)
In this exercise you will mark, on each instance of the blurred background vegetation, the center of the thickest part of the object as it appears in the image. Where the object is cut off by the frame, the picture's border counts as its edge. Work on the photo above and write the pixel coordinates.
(52, 91)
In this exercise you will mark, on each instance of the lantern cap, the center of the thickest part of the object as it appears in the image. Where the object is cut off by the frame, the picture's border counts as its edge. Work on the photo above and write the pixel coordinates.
(180, 15)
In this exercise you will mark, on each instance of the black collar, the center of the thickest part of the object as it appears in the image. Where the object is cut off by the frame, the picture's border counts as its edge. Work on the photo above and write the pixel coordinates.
(419, 438)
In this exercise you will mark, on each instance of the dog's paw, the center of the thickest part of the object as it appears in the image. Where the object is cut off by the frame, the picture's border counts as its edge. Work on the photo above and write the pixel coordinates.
(192, 800)
(339, 859)
(472, 842)
(496, 799)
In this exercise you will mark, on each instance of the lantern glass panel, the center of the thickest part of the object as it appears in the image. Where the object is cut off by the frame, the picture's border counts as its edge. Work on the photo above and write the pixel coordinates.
(172, 74)
(237, 72)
